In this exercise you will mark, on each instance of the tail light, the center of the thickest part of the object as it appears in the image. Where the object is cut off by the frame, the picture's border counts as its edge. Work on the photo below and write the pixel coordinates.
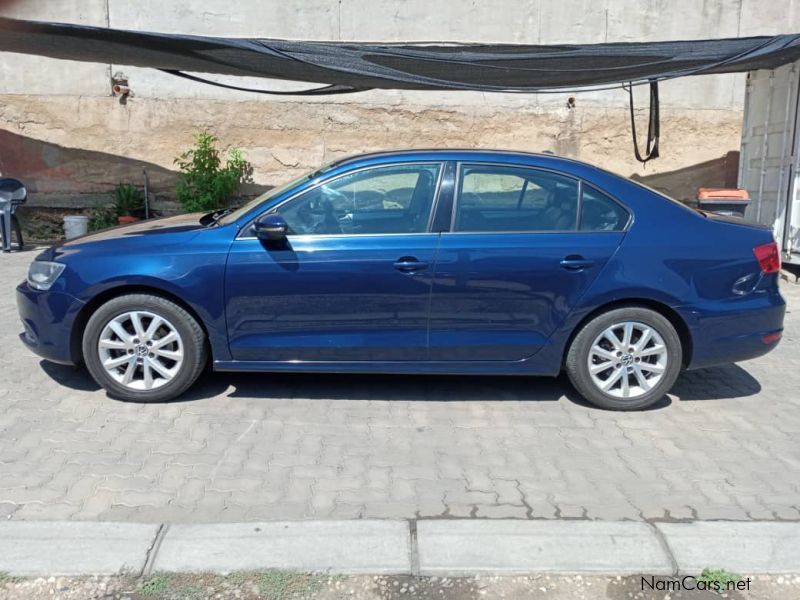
(768, 257)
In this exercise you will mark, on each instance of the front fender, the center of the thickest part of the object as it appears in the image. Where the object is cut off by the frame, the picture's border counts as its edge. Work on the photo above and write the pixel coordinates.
(206, 306)
(192, 274)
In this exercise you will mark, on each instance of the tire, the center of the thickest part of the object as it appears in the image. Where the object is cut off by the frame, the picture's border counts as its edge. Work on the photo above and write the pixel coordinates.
(648, 373)
(164, 341)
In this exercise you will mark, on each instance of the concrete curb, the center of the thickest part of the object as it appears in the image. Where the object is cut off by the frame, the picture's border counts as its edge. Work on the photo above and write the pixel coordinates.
(744, 547)
(346, 547)
(437, 547)
(519, 547)
(74, 547)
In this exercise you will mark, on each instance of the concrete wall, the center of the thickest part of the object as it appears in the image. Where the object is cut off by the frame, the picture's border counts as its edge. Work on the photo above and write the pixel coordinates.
(70, 136)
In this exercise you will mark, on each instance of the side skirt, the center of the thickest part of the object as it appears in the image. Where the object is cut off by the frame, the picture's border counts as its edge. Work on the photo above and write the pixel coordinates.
(523, 367)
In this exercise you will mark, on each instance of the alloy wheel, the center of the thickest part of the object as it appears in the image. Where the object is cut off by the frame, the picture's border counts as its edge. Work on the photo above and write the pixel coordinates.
(627, 359)
(140, 350)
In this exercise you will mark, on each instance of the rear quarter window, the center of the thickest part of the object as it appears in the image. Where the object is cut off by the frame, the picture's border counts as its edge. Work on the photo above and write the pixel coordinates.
(599, 212)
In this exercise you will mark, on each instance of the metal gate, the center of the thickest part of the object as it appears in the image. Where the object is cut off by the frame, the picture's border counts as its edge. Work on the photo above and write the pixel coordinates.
(769, 166)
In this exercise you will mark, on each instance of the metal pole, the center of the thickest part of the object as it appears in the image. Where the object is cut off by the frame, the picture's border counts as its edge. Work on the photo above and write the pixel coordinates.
(146, 196)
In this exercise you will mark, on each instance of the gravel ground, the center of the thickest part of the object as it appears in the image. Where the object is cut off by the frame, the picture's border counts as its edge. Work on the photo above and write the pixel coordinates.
(286, 586)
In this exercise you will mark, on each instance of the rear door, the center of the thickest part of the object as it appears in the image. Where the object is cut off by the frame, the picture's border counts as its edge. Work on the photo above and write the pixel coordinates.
(524, 245)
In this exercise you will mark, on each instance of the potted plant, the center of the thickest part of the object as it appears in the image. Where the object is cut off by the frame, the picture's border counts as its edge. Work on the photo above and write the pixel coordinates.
(127, 200)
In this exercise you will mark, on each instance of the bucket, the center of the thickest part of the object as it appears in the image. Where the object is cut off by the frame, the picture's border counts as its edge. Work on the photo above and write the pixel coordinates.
(75, 225)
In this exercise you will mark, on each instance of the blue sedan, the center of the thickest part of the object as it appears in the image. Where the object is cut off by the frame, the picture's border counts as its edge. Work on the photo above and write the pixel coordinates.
(448, 261)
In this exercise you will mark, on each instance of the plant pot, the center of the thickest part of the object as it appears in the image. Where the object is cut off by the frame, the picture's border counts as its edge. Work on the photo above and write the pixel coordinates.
(127, 220)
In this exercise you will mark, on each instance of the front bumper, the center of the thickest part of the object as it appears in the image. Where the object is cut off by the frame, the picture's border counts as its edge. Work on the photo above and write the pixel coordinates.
(48, 318)
(735, 330)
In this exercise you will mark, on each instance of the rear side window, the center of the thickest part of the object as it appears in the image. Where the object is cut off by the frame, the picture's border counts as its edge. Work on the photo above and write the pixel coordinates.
(496, 198)
(599, 212)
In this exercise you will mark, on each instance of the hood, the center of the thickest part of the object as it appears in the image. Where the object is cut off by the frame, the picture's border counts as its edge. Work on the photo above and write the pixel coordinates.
(152, 232)
(164, 225)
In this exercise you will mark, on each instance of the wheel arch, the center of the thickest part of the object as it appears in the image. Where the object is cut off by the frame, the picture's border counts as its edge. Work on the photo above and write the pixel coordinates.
(663, 309)
(81, 320)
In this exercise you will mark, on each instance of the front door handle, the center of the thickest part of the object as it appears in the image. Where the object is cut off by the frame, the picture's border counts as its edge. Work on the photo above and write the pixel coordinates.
(409, 264)
(575, 262)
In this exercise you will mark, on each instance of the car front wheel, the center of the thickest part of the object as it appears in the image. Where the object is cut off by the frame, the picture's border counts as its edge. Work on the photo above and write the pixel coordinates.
(625, 359)
(143, 348)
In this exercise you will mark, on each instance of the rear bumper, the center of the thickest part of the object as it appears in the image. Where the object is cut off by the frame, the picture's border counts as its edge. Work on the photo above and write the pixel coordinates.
(47, 319)
(734, 330)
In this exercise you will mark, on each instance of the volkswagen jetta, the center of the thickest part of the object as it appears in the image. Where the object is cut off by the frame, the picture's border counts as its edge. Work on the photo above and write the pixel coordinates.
(459, 262)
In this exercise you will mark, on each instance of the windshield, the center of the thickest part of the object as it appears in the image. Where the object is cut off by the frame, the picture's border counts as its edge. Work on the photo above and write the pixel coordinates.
(272, 193)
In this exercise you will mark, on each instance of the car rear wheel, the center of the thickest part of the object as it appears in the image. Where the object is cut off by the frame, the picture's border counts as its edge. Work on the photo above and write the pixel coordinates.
(625, 359)
(143, 348)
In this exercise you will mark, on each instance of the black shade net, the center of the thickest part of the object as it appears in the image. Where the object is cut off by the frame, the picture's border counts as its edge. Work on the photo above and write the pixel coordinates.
(350, 66)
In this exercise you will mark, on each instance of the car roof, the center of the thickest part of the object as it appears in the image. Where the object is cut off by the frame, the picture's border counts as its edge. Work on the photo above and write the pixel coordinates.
(543, 160)
(456, 154)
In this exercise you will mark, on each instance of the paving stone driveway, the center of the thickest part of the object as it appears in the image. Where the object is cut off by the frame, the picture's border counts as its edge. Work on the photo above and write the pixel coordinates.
(726, 445)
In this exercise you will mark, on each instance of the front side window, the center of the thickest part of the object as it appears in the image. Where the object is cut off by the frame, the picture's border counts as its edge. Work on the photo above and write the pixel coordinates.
(385, 199)
(495, 198)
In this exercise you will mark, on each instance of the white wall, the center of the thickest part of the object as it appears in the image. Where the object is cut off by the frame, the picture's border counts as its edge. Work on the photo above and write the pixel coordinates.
(22, 74)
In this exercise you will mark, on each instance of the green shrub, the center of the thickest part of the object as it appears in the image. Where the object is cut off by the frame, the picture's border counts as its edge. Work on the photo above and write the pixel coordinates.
(282, 585)
(155, 586)
(127, 200)
(720, 576)
(205, 184)
(101, 218)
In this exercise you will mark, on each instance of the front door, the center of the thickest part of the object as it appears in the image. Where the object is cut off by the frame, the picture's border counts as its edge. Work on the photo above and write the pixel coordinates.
(522, 251)
(353, 281)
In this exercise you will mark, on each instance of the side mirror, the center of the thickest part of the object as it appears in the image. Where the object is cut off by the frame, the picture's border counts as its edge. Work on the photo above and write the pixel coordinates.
(271, 228)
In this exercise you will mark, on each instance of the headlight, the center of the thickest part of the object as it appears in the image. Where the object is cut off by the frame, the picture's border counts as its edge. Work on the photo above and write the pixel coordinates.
(42, 274)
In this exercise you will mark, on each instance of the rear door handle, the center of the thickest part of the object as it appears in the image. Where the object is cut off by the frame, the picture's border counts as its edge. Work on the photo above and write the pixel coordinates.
(576, 263)
(409, 264)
